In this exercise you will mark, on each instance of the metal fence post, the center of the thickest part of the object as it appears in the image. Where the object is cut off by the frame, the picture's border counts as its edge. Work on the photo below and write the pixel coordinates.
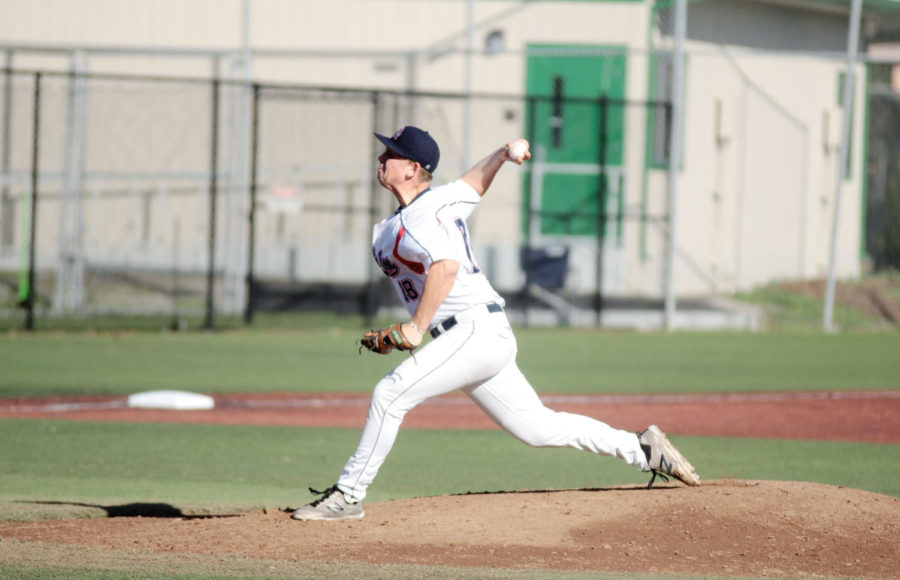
(532, 182)
(251, 214)
(35, 162)
(675, 159)
(601, 206)
(852, 46)
(213, 186)
(7, 221)
(370, 297)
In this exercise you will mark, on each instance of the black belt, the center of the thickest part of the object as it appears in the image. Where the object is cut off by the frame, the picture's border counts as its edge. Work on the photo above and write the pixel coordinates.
(446, 325)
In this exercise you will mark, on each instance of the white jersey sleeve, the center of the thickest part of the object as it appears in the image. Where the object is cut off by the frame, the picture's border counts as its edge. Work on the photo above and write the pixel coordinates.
(433, 228)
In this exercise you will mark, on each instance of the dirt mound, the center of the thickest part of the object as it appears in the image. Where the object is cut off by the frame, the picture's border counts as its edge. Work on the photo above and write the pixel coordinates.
(748, 528)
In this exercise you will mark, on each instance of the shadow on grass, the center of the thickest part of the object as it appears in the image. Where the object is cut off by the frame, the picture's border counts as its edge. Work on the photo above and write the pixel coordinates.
(135, 510)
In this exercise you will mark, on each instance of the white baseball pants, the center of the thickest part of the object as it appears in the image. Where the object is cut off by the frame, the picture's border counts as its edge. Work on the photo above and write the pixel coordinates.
(477, 355)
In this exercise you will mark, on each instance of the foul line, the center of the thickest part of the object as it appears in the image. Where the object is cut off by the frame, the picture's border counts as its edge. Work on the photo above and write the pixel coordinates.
(457, 400)
(64, 407)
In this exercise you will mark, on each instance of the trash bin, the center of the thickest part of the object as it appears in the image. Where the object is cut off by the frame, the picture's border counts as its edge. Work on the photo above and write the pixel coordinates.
(546, 267)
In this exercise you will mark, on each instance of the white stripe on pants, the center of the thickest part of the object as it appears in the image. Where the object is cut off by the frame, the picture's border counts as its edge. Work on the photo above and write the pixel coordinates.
(479, 357)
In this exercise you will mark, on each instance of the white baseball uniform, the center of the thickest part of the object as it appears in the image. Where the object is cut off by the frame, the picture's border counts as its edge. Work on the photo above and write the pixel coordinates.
(476, 352)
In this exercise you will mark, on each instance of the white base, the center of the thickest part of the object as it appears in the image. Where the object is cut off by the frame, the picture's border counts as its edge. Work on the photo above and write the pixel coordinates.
(171, 400)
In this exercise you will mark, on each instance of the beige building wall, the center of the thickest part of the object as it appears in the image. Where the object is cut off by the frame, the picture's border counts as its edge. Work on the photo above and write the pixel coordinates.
(761, 164)
(758, 180)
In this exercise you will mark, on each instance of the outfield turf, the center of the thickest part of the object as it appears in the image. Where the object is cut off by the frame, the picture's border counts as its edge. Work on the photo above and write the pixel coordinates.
(60, 468)
(562, 361)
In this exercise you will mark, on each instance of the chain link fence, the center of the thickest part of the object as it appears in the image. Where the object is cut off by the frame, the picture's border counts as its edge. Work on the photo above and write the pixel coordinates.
(131, 219)
(883, 192)
(138, 210)
(190, 198)
(117, 195)
(316, 198)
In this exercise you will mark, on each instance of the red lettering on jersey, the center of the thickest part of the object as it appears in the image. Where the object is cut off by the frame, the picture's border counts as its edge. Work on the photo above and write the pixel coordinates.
(416, 267)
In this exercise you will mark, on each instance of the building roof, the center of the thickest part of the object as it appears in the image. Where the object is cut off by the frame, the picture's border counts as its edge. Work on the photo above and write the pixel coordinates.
(872, 8)
(882, 16)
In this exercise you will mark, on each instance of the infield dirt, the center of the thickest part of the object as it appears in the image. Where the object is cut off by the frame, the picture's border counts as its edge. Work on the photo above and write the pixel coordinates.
(746, 528)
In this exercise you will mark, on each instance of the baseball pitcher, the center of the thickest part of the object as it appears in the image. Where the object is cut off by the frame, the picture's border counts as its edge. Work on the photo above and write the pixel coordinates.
(425, 250)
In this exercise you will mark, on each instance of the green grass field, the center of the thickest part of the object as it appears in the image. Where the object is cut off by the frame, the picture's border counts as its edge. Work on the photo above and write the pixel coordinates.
(555, 360)
(60, 469)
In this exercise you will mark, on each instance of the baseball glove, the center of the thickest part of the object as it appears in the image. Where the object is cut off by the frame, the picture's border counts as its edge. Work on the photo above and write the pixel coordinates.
(385, 340)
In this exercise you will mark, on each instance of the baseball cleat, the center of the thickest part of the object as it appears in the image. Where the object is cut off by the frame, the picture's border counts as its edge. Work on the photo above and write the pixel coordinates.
(664, 459)
(331, 505)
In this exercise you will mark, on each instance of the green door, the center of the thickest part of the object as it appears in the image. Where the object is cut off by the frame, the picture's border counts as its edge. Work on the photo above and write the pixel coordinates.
(565, 114)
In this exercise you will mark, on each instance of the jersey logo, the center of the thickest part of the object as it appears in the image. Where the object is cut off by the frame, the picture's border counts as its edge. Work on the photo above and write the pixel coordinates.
(389, 268)
(416, 267)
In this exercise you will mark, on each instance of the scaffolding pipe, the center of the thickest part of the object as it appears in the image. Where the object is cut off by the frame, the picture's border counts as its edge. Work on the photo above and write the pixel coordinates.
(849, 78)
(675, 158)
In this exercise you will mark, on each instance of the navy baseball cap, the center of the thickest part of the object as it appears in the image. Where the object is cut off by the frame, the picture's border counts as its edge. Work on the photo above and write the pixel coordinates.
(416, 144)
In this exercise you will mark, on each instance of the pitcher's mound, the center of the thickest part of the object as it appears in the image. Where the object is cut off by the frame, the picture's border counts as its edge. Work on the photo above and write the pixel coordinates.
(726, 527)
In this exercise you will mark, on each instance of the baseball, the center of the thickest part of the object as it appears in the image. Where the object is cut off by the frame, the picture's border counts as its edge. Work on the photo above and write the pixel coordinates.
(518, 149)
